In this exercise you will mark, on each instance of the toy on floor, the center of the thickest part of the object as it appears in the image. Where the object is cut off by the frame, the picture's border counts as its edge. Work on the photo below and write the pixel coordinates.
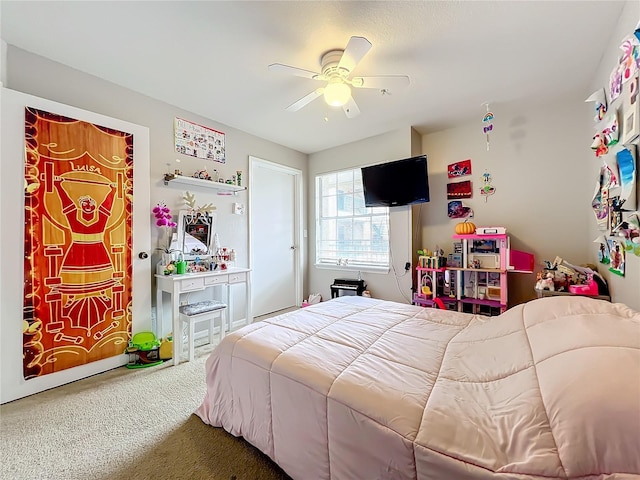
(166, 348)
(143, 350)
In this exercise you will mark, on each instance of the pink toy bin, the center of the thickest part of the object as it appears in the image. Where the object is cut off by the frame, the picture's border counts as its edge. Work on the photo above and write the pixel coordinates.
(590, 288)
(521, 261)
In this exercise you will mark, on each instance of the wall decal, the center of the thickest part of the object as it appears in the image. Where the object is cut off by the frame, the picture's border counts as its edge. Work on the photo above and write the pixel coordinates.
(459, 190)
(628, 175)
(600, 201)
(615, 83)
(455, 209)
(603, 250)
(459, 169)
(617, 255)
(600, 104)
(631, 111)
(630, 58)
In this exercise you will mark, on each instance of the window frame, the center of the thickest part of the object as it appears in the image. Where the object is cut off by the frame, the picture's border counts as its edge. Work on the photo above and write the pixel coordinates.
(376, 217)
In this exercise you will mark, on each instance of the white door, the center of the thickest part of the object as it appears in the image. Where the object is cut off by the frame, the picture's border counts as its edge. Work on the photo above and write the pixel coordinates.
(275, 206)
(12, 218)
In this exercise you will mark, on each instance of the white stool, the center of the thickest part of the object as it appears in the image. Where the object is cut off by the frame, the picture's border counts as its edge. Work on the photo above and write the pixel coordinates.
(199, 312)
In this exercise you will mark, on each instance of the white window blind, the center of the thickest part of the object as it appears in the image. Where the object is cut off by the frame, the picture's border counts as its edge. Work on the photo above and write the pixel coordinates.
(348, 233)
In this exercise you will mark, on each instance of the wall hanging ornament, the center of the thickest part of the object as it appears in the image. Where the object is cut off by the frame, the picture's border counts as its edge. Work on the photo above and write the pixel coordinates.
(600, 104)
(617, 257)
(607, 137)
(626, 160)
(629, 233)
(598, 145)
(611, 131)
(603, 250)
(487, 189)
(487, 123)
(630, 58)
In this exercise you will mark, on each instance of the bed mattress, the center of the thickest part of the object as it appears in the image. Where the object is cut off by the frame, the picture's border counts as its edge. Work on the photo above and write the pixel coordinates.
(359, 388)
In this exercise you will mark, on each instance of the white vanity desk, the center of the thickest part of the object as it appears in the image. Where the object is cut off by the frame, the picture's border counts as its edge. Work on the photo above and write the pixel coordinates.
(175, 285)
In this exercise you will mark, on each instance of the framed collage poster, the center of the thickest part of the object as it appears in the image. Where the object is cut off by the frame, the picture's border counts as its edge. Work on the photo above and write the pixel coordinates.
(199, 141)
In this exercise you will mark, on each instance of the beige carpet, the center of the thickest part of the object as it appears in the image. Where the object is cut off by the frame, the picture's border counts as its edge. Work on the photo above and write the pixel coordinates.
(125, 424)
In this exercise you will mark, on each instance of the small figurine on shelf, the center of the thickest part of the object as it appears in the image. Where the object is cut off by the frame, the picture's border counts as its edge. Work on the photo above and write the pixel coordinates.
(202, 174)
(426, 286)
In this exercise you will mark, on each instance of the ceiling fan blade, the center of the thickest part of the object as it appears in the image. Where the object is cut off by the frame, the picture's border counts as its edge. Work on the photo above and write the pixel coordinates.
(351, 108)
(294, 107)
(299, 72)
(381, 81)
(356, 49)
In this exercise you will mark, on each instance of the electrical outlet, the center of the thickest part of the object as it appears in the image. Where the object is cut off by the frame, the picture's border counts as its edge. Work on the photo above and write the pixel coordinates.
(183, 303)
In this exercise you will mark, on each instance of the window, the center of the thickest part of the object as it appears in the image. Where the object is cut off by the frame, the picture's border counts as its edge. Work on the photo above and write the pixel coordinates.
(348, 233)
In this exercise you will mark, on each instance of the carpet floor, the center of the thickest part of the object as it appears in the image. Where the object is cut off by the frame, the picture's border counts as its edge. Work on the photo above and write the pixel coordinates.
(125, 425)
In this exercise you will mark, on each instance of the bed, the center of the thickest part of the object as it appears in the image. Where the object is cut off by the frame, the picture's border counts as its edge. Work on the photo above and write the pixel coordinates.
(359, 388)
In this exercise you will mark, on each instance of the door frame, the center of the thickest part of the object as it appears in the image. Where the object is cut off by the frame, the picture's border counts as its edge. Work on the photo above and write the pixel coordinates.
(297, 216)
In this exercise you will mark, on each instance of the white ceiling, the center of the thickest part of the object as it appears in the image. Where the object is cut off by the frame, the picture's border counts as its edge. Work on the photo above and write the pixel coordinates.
(211, 57)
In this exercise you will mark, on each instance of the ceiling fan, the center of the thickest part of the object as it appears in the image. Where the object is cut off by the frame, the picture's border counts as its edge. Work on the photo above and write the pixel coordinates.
(336, 66)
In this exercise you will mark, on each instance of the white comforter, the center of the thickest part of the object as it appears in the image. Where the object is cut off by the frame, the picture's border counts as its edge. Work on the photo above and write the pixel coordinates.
(356, 388)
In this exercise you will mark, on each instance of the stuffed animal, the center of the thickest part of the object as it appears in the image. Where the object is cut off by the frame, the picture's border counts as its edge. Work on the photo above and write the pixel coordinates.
(546, 282)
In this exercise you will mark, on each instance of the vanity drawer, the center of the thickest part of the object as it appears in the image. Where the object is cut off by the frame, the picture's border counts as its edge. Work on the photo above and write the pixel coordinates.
(216, 280)
(191, 284)
(237, 277)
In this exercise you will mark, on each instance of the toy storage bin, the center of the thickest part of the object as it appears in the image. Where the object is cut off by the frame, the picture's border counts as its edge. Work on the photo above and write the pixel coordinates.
(590, 288)
(521, 261)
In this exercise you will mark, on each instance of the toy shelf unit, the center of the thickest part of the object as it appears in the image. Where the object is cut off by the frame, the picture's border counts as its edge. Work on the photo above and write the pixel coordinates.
(477, 281)
(435, 284)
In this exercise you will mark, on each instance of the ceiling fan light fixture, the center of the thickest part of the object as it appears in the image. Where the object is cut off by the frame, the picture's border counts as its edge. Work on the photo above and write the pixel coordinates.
(337, 93)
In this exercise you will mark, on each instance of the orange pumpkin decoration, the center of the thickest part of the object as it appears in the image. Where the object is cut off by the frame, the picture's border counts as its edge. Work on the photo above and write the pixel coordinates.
(465, 228)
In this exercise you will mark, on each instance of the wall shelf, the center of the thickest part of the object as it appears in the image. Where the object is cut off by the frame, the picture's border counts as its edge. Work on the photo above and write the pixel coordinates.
(199, 182)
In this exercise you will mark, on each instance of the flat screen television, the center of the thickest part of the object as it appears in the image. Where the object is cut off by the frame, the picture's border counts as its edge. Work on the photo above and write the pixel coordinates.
(401, 182)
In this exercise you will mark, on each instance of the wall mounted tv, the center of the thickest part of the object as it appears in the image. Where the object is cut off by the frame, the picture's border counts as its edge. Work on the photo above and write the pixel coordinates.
(401, 182)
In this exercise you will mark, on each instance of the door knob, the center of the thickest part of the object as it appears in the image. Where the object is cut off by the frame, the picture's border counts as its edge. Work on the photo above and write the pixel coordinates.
(292, 247)
(143, 255)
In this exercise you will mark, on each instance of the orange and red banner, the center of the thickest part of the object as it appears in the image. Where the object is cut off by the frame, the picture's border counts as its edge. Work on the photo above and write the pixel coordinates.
(77, 242)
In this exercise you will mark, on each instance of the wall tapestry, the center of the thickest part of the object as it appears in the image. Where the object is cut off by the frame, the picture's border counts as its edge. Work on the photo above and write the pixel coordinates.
(199, 141)
(77, 242)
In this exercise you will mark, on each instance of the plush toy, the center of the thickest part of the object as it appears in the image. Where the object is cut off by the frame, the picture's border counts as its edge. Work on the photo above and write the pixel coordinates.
(546, 282)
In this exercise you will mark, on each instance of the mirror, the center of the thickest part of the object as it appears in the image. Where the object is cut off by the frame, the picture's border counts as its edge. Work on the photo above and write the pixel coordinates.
(195, 232)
